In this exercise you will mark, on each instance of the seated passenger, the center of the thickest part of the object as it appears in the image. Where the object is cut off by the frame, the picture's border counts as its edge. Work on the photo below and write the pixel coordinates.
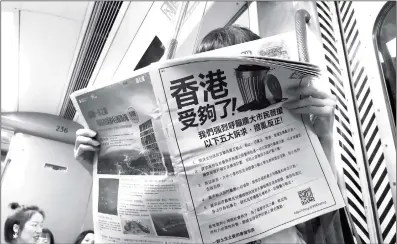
(49, 236)
(85, 237)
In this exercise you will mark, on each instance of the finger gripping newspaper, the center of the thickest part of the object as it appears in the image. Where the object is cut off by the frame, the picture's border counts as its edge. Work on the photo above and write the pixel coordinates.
(200, 150)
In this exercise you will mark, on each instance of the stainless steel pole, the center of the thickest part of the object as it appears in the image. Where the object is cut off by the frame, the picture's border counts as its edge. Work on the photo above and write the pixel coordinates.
(182, 10)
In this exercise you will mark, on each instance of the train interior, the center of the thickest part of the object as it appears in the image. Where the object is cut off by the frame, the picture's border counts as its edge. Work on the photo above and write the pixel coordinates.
(51, 49)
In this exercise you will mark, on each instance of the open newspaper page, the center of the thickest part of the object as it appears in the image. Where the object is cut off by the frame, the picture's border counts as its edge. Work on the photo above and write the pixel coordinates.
(251, 167)
(136, 197)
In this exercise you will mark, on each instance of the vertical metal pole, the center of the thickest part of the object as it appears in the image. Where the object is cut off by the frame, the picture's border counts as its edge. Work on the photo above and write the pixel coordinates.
(302, 17)
(170, 51)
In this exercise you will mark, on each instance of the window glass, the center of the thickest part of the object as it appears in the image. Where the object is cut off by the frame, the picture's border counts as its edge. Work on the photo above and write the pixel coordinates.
(153, 53)
(385, 41)
(208, 16)
(278, 17)
(243, 19)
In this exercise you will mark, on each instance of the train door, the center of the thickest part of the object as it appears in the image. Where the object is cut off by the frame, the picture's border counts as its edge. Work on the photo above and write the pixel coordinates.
(369, 47)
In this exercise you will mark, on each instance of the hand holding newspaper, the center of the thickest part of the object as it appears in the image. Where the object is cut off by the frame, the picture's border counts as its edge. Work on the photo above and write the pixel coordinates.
(200, 150)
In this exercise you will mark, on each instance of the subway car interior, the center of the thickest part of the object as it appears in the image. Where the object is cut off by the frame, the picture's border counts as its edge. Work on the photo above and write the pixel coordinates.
(51, 49)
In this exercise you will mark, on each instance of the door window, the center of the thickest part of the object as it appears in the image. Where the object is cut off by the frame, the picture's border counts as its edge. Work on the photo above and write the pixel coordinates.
(385, 43)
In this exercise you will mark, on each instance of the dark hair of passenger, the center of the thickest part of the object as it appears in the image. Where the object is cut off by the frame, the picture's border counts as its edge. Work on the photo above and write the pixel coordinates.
(80, 238)
(52, 240)
(21, 215)
(226, 36)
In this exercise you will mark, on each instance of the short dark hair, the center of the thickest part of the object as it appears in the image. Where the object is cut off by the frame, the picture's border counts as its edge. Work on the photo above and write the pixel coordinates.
(52, 240)
(80, 238)
(226, 36)
(21, 215)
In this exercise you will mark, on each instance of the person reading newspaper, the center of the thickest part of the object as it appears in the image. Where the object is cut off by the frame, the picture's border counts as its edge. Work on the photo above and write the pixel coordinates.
(319, 104)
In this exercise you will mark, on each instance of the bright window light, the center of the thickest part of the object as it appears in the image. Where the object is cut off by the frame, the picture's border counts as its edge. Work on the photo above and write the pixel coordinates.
(243, 20)
(391, 45)
(380, 57)
(9, 62)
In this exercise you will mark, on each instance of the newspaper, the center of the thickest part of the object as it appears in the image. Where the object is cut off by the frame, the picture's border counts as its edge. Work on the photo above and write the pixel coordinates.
(200, 150)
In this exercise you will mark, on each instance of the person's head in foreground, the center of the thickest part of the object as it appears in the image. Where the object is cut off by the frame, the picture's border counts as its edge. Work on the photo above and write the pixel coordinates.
(225, 37)
(85, 237)
(24, 225)
(48, 238)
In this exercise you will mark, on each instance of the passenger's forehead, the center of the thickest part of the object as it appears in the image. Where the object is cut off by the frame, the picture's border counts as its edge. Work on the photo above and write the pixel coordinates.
(36, 218)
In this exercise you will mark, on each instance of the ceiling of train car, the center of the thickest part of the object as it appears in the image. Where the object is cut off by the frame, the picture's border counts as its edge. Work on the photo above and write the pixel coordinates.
(48, 39)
